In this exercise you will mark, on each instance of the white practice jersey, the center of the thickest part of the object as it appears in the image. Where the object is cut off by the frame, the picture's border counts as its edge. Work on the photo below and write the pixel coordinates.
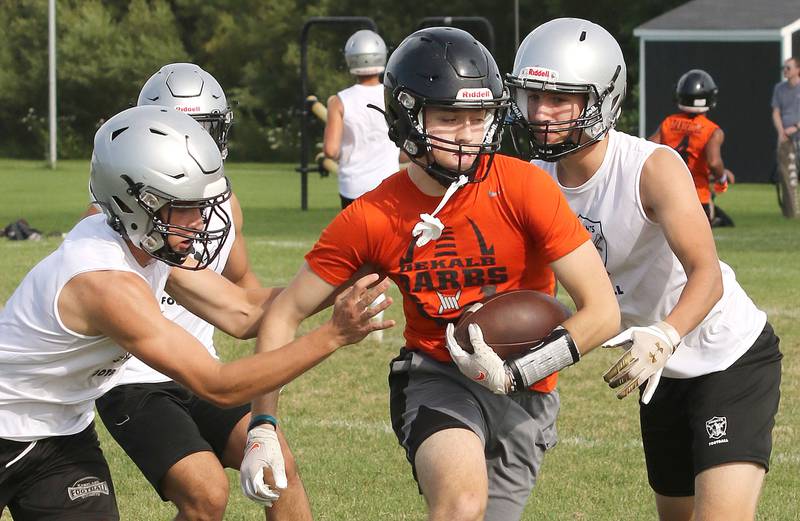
(50, 375)
(367, 156)
(137, 371)
(647, 276)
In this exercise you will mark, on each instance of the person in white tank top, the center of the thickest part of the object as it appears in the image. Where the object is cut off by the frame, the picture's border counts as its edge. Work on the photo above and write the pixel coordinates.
(79, 315)
(707, 446)
(185, 464)
(356, 135)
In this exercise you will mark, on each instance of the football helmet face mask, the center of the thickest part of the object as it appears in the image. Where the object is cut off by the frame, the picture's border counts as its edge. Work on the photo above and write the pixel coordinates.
(187, 88)
(568, 56)
(365, 53)
(445, 68)
(150, 164)
(696, 92)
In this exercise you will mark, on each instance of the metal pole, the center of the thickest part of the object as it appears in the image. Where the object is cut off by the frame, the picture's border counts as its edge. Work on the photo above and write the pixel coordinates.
(51, 41)
(516, 24)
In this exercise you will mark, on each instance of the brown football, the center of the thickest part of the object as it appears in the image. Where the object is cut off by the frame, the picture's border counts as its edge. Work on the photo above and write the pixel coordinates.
(513, 321)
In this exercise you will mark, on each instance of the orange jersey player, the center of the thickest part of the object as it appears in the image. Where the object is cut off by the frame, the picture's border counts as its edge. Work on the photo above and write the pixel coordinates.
(696, 138)
(498, 224)
(494, 240)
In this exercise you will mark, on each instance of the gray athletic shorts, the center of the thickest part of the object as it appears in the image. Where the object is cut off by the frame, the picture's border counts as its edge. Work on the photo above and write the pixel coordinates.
(428, 396)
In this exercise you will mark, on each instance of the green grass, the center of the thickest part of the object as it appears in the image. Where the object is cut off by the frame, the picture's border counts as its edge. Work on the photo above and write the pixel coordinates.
(336, 416)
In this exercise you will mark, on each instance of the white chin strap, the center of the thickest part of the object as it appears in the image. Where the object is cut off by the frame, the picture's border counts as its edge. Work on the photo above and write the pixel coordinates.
(430, 227)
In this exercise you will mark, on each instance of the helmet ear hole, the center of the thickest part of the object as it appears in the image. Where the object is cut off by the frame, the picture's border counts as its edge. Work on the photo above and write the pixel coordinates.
(121, 205)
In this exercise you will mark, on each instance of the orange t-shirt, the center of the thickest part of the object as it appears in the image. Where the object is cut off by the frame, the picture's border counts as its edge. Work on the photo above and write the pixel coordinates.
(688, 134)
(499, 235)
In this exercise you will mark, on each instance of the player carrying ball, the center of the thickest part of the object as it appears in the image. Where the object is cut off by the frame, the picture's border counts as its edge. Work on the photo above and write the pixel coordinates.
(461, 223)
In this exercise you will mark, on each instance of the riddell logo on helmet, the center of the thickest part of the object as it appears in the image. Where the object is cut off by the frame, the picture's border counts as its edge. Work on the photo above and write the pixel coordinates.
(538, 73)
(180, 108)
(470, 94)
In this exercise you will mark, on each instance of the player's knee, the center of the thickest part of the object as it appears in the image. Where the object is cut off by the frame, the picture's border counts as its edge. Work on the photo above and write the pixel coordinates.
(464, 506)
(205, 503)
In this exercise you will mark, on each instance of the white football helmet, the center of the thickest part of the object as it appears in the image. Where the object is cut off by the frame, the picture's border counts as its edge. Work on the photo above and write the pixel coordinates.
(567, 55)
(146, 162)
(187, 88)
(365, 53)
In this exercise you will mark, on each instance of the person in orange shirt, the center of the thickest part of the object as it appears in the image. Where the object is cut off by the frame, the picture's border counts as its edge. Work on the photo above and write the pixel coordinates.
(699, 140)
(474, 431)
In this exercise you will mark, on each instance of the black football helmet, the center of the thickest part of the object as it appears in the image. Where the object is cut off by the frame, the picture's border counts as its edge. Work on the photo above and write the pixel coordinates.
(696, 92)
(443, 67)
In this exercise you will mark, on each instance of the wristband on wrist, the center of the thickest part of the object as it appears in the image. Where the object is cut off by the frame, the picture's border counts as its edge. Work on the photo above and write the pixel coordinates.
(555, 352)
(261, 419)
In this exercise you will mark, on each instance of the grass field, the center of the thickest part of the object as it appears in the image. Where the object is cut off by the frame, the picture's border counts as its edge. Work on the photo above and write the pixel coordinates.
(336, 416)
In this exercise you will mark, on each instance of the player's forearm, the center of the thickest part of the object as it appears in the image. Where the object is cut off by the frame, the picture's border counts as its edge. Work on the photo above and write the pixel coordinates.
(275, 331)
(717, 169)
(702, 291)
(251, 377)
(594, 323)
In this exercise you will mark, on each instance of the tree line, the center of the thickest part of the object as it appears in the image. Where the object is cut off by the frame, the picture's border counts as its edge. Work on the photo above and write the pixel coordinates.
(107, 49)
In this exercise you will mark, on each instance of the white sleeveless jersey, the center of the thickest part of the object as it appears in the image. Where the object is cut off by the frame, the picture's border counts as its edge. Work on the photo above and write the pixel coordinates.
(367, 156)
(646, 275)
(137, 371)
(49, 375)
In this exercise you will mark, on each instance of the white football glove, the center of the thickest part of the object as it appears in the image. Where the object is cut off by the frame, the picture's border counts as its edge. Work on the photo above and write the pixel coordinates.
(263, 450)
(483, 365)
(648, 349)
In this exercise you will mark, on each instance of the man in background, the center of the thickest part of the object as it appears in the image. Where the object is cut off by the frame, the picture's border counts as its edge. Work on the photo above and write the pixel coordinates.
(786, 118)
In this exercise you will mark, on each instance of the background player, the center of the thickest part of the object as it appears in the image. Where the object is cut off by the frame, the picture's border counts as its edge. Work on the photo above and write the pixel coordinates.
(474, 450)
(185, 463)
(355, 135)
(707, 443)
(78, 316)
(698, 140)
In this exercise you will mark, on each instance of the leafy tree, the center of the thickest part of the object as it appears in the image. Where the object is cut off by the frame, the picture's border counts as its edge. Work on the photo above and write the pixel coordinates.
(108, 48)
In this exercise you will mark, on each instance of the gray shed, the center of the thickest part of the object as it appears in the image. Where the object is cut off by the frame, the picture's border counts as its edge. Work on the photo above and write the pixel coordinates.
(742, 44)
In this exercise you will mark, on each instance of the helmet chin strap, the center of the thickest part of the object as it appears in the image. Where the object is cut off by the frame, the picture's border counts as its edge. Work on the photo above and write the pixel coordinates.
(430, 227)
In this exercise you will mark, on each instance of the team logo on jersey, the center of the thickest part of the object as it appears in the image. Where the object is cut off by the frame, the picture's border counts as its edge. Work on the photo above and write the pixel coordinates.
(717, 428)
(595, 229)
(448, 302)
(87, 487)
(447, 273)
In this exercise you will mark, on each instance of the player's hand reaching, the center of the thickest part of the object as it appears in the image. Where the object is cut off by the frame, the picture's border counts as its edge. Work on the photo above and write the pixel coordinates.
(647, 350)
(263, 452)
(352, 313)
(482, 365)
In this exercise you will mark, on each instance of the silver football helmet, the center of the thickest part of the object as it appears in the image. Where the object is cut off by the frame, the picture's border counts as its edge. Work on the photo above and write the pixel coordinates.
(567, 55)
(150, 160)
(187, 88)
(365, 53)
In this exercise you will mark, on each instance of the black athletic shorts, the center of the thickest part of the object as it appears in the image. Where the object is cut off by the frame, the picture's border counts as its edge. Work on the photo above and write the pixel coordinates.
(158, 424)
(691, 425)
(61, 478)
